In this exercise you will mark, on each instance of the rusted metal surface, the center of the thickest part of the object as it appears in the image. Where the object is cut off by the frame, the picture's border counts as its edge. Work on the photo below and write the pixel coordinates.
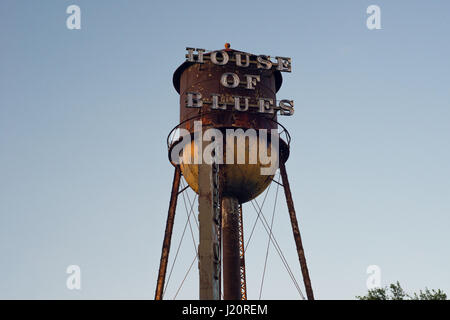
(296, 232)
(231, 252)
(209, 227)
(242, 256)
(168, 235)
(205, 79)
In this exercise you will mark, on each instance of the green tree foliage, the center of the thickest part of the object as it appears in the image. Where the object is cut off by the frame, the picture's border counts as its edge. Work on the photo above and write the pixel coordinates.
(396, 292)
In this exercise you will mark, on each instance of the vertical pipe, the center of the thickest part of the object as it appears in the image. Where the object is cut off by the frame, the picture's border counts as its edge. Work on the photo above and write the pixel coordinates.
(168, 235)
(231, 253)
(296, 231)
(208, 247)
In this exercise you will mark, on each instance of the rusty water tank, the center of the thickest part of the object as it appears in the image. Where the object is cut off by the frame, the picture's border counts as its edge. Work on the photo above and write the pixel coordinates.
(243, 181)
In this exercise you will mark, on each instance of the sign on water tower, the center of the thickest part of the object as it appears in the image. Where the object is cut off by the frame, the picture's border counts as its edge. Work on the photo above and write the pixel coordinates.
(244, 72)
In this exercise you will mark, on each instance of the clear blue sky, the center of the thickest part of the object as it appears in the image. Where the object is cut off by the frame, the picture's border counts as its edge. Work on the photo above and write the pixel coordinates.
(84, 114)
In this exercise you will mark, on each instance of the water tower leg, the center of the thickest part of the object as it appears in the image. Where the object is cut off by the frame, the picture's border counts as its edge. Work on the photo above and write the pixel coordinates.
(168, 235)
(231, 249)
(242, 255)
(296, 231)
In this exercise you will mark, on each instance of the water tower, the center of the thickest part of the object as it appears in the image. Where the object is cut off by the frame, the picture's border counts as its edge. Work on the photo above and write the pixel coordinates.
(227, 146)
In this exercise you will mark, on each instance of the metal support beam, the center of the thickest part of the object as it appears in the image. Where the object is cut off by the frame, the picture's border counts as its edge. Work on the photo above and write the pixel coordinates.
(231, 249)
(168, 235)
(242, 256)
(296, 231)
(209, 225)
